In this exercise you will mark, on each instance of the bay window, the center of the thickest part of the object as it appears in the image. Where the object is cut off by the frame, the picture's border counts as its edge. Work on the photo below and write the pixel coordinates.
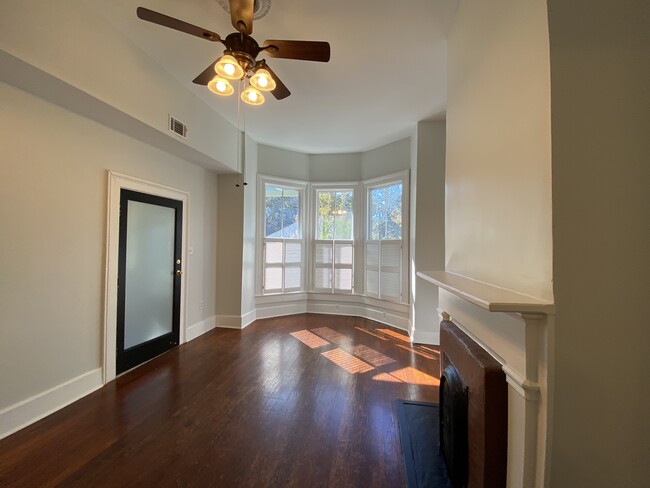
(333, 263)
(385, 266)
(346, 238)
(282, 256)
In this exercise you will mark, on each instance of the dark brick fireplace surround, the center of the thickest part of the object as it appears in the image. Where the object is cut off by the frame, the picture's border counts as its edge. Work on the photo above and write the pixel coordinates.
(487, 406)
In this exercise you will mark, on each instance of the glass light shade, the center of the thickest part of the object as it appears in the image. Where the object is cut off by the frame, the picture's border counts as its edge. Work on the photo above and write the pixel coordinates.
(228, 67)
(252, 96)
(262, 80)
(220, 86)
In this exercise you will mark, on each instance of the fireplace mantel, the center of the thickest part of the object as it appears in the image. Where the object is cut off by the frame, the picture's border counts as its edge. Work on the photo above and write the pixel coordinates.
(513, 328)
(489, 297)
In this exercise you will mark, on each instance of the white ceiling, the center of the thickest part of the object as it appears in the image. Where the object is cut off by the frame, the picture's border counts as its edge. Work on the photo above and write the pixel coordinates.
(387, 69)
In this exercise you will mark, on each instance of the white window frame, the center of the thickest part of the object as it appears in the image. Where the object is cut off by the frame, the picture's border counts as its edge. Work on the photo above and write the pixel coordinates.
(262, 181)
(384, 244)
(356, 221)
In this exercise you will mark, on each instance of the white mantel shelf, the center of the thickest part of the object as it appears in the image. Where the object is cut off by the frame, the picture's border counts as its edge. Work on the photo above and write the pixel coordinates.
(486, 296)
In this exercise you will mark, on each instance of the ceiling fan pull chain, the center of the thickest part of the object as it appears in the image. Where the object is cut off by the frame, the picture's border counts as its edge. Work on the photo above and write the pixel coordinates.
(238, 132)
(243, 148)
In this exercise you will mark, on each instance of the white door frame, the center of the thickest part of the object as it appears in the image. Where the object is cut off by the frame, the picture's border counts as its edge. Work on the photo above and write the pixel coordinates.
(117, 181)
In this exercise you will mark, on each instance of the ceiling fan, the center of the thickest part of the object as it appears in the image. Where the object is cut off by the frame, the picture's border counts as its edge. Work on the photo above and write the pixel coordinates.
(239, 60)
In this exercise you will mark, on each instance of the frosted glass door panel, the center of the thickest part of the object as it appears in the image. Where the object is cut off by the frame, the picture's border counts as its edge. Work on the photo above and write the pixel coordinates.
(149, 292)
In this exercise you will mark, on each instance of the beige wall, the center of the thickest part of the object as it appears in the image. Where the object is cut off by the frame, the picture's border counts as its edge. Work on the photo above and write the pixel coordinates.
(230, 218)
(72, 42)
(498, 207)
(386, 159)
(380, 161)
(273, 161)
(601, 228)
(428, 227)
(335, 167)
(250, 228)
(498, 182)
(53, 168)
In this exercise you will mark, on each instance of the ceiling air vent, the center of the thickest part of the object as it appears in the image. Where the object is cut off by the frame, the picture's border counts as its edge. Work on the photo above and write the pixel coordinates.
(177, 127)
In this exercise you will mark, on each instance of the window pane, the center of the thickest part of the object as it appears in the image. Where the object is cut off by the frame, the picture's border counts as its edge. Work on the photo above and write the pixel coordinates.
(343, 279)
(385, 212)
(292, 277)
(323, 253)
(293, 252)
(323, 278)
(372, 254)
(389, 284)
(273, 279)
(273, 252)
(290, 224)
(325, 217)
(394, 212)
(334, 215)
(273, 211)
(377, 214)
(343, 253)
(282, 212)
(372, 282)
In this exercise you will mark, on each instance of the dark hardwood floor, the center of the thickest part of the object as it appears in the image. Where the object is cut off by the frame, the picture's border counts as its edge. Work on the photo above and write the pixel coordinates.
(300, 401)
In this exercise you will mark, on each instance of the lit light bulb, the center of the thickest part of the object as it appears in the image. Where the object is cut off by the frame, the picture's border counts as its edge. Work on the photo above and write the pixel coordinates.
(228, 67)
(252, 97)
(262, 80)
(220, 86)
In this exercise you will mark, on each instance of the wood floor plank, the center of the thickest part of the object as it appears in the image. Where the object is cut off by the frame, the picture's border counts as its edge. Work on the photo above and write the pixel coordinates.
(259, 407)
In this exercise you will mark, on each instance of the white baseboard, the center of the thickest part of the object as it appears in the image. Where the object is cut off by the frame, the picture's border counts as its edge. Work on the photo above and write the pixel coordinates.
(200, 328)
(426, 337)
(267, 311)
(361, 310)
(248, 318)
(228, 321)
(26, 412)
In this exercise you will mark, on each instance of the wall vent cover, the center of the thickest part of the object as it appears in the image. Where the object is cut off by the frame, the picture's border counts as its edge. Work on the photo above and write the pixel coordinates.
(177, 127)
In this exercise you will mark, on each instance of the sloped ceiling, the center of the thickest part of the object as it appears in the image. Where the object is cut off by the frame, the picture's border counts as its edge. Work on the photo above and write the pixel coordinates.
(387, 70)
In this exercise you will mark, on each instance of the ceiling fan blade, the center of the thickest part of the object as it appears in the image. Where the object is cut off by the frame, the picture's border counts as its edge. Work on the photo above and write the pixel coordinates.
(241, 15)
(179, 25)
(280, 91)
(207, 74)
(306, 50)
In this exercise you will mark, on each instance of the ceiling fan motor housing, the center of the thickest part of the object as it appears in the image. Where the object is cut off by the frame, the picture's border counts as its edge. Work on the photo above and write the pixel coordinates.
(244, 48)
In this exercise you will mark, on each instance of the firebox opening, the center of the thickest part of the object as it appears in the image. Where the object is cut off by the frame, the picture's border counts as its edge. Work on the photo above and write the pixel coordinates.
(453, 425)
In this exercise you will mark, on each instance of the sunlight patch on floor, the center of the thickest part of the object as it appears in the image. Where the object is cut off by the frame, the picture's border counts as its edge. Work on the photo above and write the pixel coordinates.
(371, 356)
(415, 351)
(386, 377)
(395, 335)
(309, 339)
(347, 361)
(332, 335)
(408, 375)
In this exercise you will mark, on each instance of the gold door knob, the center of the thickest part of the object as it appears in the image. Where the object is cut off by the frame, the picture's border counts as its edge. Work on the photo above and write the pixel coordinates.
(178, 272)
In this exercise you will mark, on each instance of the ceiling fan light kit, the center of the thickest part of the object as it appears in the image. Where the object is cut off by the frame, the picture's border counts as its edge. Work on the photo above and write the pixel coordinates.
(220, 86)
(239, 60)
(252, 96)
(262, 80)
(228, 67)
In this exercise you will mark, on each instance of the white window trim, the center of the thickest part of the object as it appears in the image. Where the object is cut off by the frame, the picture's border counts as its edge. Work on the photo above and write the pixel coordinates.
(357, 232)
(302, 187)
(308, 231)
(399, 177)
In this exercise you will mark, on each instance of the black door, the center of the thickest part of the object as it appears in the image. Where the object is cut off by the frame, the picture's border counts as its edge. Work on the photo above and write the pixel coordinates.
(149, 277)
